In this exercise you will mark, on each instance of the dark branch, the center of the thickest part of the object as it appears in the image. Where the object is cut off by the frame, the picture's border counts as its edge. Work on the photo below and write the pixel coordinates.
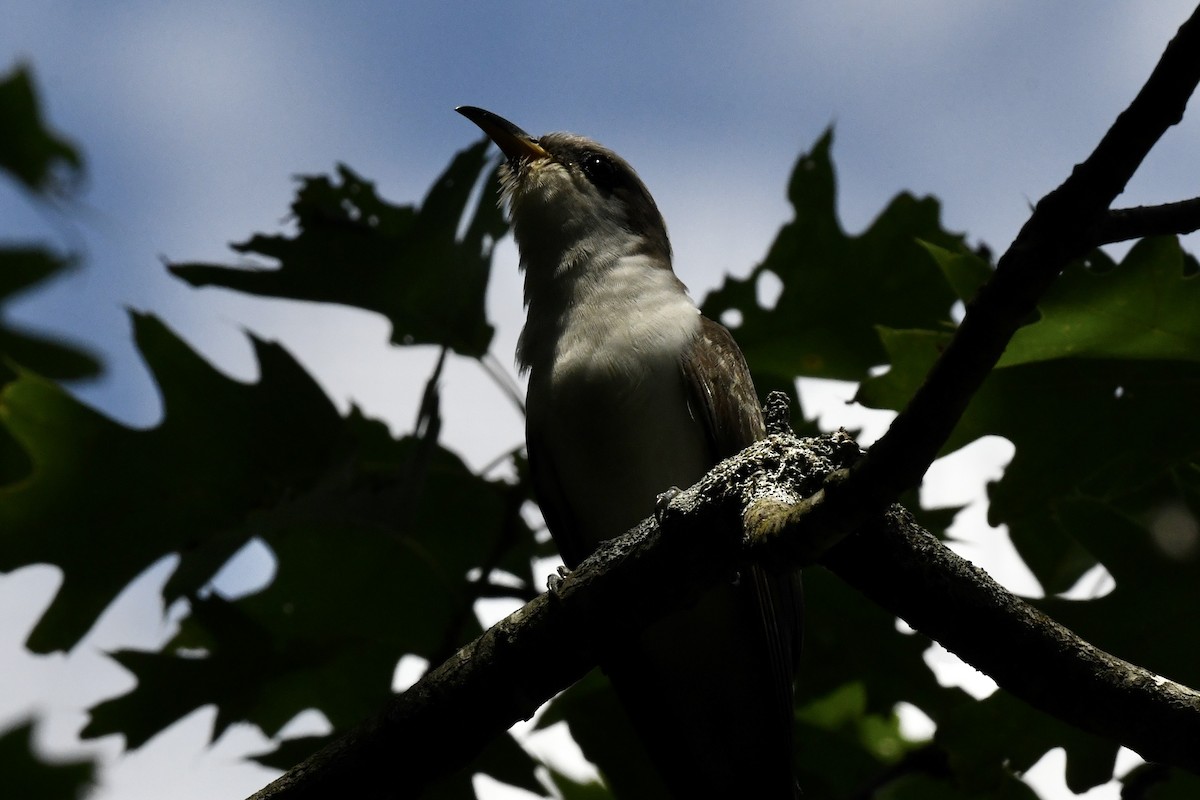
(1056, 233)
(1123, 224)
(907, 570)
(1061, 228)
(439, 724)
(446, 718)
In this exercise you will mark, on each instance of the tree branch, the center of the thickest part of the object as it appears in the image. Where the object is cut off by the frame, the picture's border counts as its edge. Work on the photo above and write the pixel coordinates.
(439, 724)
(1056, 233)
(1061, 228)
(908, 571)
(442, 721)
(1123, 224)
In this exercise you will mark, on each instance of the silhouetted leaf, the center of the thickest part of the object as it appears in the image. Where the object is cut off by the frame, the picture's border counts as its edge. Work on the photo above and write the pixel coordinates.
(571, 789)
(29, 775)
(408, 264)
(989, 740)
(838, 287)
(1152, 573)
(21, 268)
(1084, 418)
(1157, 782)
(603, 731)
(292, 751)
(505, 761)
(44, 163)
(40, 159)
(229, 462)
(223, 449)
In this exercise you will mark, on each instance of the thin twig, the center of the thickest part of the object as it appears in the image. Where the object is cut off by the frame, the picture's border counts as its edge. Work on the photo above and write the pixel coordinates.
(504, 380)
(1123, 224)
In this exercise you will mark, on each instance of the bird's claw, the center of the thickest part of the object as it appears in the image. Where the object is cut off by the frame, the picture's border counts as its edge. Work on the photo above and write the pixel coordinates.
(662, 502)
(554, 581)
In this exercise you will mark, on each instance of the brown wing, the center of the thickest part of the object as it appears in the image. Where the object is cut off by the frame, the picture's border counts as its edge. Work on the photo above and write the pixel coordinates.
(722, 391)
(724, 400)
(548, 492)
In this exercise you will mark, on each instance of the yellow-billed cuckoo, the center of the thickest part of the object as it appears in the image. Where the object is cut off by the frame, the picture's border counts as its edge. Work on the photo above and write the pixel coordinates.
(632, 392)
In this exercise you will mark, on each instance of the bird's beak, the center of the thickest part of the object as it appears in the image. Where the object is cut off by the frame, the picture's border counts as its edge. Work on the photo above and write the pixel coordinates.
(515, 143)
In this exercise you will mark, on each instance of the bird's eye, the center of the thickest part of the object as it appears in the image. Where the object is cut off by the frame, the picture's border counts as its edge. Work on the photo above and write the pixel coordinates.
(599, 169)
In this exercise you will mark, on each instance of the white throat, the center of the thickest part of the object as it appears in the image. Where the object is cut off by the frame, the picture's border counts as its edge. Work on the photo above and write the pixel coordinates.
(594, 299)
(614, 315)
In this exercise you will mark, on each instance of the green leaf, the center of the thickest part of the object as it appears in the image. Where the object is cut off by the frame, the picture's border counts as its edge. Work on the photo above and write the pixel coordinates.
(408, 264)
(966, 272)
(841, 745)
(1150, 576)
(856, 666)
(838, 287)
(1144, 309)
(1076, 413)
(28, 775)
(40, 159)
(230, 461)
(1100, 424)
(832, 762)
(889, 663)
(365, 576)
(373, 537)
(223, 450)
(1102, 428)
(373, 553)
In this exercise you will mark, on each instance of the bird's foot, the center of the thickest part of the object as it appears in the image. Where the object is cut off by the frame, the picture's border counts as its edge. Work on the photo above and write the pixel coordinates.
(554, 581)
(662, 502)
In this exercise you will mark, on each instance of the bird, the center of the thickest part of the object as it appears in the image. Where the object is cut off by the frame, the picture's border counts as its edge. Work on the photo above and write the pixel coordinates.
(632, 392)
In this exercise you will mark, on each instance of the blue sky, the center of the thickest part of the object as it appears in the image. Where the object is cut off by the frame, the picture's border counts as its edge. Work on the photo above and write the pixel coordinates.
(195, 117)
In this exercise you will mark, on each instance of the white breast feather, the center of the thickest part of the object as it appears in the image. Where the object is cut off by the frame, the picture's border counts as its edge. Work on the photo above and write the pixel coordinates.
(635, 320)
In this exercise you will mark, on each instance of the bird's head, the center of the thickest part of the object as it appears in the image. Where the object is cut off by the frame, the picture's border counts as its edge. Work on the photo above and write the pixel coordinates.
(571, 199)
